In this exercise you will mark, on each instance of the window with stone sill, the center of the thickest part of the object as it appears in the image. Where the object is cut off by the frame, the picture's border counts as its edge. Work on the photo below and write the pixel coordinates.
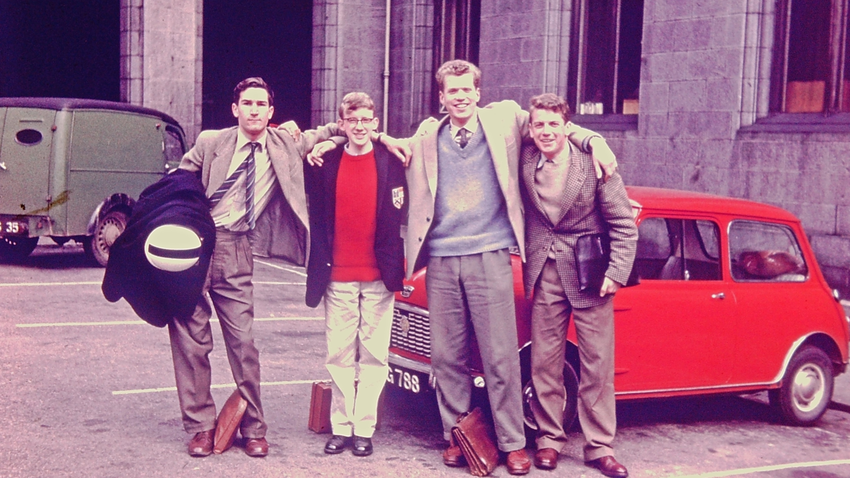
(604, 65)
(811, 66)
(457, 27)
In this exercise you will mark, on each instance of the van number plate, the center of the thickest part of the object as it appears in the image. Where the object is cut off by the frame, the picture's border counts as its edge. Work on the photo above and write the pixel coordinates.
(13, 227)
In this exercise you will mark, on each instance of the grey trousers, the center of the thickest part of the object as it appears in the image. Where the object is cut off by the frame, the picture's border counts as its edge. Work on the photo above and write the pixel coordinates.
(550, 317)
(232, 293)
(467, 294)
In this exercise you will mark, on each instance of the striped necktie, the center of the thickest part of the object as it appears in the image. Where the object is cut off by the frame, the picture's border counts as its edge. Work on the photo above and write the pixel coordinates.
(249, 167)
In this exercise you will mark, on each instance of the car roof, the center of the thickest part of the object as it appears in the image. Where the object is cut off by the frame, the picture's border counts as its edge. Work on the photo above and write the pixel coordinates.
(651, 198)
(81, 103)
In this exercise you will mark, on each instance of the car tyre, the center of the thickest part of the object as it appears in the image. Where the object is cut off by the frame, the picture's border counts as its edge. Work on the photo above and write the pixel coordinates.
(105, 233)
(16, 248)
(806, 387)
(529, 401)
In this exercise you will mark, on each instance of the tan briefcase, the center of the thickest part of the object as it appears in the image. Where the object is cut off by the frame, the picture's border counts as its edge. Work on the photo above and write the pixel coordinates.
(320, 408)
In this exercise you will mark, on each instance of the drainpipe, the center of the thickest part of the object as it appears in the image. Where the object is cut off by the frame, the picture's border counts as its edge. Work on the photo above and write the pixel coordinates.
(386, 63)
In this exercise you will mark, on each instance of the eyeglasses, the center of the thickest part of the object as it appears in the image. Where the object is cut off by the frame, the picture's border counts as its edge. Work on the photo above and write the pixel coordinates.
(355, 121)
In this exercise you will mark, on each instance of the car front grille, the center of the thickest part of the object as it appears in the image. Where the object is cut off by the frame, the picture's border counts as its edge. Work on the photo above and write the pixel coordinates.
(411, 330)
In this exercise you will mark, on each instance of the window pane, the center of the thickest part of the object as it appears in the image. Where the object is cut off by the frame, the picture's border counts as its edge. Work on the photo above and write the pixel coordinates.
(653, 248)
(605, 53)
(628, 71)
(808, 56)
(764, 252)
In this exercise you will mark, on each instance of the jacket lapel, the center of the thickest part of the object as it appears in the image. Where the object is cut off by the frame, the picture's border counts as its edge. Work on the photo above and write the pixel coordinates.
(498, 150)
(222, 156)
(529, 169)
(382, 169)
(429, 151)
(576, 175)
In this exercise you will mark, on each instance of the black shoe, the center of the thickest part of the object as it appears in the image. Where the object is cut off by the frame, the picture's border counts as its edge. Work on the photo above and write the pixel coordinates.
(362, 446)
(336, 444)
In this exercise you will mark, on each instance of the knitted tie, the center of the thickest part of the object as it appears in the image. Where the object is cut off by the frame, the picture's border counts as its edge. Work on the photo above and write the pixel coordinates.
(250, 168)
(462, 137)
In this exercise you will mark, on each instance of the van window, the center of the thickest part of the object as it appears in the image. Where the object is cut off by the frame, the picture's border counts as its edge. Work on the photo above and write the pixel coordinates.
(765, 252)
(173, 148)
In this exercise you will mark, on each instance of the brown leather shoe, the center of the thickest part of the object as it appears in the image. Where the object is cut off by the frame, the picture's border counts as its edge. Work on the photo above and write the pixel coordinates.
(546, 459)
(202, 443)
(609, 467)
(453, 456)
(257, 447)
(518, 462)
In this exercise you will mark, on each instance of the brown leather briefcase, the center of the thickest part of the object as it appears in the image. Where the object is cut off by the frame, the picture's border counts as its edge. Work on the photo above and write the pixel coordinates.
(476, 438)
(320, 408)
(228, 422)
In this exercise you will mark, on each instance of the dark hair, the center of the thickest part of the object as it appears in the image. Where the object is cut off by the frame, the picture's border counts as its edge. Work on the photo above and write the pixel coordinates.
(458, 68)
(354, 101)
(551, 102)
(253, 82)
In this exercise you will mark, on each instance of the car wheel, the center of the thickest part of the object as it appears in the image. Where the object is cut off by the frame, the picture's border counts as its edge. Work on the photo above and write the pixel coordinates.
(16, 248)
(105, 233)
(529, 401)
(806, 387)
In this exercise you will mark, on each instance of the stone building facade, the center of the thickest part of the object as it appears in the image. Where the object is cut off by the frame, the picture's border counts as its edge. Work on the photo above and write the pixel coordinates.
(743, 98)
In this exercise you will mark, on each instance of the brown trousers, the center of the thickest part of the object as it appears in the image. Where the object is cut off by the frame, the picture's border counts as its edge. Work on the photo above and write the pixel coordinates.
(550, 317)
(232, 293)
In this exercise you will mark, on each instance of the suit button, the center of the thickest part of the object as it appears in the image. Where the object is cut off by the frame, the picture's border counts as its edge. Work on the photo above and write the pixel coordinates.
(420, 239)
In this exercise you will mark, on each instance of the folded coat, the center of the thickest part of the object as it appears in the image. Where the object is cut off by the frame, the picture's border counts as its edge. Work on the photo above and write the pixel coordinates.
(157, 296)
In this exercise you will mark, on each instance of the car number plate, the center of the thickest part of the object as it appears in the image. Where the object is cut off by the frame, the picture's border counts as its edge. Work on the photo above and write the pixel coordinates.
(405, 379)
(14, 227)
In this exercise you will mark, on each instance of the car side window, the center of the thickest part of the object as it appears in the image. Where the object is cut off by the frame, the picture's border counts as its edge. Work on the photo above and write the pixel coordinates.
(765, 252)
(678, 249)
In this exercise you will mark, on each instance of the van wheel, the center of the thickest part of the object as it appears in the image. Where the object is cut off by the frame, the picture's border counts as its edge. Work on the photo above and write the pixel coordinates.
(806, 387)
(105, 233)
(529, 401)
(16, 248)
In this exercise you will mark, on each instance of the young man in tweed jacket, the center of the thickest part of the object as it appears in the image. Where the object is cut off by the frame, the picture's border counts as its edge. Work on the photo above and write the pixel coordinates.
(564, 200)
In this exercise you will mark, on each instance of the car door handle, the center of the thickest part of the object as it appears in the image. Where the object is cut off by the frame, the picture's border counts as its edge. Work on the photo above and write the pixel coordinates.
(719, 295)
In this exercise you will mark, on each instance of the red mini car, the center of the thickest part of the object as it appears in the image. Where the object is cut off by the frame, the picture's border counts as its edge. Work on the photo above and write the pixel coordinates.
(730, 300)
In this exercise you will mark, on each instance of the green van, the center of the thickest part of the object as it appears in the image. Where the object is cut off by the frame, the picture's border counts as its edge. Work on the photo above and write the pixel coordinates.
(72, 169)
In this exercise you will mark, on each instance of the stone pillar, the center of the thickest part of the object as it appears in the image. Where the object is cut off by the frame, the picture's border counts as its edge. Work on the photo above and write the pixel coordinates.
(162, 58)
(348, 54)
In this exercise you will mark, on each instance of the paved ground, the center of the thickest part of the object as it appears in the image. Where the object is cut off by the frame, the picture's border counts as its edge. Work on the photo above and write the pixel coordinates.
(87, 390)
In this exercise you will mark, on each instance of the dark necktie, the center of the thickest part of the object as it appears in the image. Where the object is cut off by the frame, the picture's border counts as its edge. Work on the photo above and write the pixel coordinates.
(249, 167)
(463, 137)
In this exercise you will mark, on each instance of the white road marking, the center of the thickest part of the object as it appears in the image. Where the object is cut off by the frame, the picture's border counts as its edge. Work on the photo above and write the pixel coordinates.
(764, 469)
(221, 385)
(139, 322)
(53, 284)
(41, 284)
(287, 269)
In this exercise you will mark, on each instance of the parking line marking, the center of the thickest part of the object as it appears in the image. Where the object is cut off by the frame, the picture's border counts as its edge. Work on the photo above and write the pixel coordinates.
(138, 322)
(763, 469)
(32, 284)
(221, 385)
(53, 284)
(287, 269)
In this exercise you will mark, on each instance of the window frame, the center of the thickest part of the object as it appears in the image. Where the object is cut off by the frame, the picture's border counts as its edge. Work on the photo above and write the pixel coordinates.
(577, 78)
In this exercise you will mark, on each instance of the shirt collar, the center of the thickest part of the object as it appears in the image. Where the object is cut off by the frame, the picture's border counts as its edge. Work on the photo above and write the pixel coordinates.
(471, 125)
(242, 141)
(564, 156)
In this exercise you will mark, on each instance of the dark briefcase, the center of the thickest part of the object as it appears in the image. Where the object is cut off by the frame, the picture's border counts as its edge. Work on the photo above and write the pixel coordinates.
(320, 408)
(476, 438)
(592, 256)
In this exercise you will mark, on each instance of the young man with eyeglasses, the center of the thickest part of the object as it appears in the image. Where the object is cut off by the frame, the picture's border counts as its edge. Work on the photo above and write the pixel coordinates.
(356, 205)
